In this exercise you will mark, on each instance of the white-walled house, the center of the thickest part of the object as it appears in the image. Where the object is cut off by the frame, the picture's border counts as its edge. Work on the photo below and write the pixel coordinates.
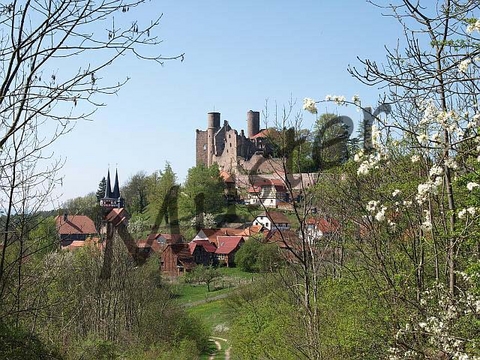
(272, 220)
(268, 192)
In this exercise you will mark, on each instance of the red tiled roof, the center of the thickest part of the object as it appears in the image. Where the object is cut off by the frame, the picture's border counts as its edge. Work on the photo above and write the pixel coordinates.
(152, 244)
(261, 134)
(75, 224)
(277, 183)
(207, 245)
(324, 225)
(181, 250)
(284, 238)
(170, 238)
(253, 229)
(227, 244)
(276, 217)
(213, 234)
(226, 177)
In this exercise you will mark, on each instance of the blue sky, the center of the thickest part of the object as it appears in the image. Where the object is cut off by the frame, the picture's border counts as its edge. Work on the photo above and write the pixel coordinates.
(237, 55)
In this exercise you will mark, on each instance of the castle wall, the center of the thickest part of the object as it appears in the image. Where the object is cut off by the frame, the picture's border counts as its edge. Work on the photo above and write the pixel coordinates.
(201, 148)
(233, 152)
(227, 159)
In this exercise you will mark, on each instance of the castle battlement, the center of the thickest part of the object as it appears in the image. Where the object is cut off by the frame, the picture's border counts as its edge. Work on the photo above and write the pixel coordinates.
(232, 150)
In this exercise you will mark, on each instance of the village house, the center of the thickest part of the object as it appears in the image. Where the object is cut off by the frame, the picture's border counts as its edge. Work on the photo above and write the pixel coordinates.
(227, 248)
(157, 242)
(203, 252)
(285, 239)
(176, 259)
(75, 228)
(212, 234)
(270, 193)
(272, 220)
(230, 189)
(319, 227)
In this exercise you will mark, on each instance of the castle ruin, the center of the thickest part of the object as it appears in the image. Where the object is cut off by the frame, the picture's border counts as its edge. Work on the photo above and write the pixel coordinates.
(234, 152)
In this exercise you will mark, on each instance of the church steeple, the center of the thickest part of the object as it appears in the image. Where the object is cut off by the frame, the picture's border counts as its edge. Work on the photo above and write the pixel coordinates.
(112, 199)
(108, 189)
(116, 187)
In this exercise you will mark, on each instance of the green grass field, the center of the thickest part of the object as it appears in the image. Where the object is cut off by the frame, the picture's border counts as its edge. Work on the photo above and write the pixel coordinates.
(211, 307)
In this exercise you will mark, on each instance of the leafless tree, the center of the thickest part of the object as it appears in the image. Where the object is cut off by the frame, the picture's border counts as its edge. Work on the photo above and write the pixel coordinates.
(52, 57)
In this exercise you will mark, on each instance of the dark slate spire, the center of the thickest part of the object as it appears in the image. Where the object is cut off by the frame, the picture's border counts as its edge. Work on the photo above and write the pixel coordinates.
(116, 187)
(108, 189)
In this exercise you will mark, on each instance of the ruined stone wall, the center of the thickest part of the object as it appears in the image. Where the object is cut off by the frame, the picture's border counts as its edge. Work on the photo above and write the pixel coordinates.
(201, 148)
(227, 159)
(260, 165)
(233, 152)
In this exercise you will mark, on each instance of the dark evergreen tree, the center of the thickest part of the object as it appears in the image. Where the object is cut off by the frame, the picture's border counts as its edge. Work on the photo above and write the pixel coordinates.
(101, 189)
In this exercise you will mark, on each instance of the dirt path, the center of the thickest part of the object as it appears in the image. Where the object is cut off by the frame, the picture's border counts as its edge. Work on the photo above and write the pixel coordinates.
(218, 344)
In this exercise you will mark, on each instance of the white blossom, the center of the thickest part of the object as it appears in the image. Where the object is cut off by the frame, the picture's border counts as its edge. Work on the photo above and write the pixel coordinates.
(372, 205)
(363, 169)
(436, 171)
(375, 136)
(380, 216)
(462, 213)
(472, 185)
(463, 66)
(356, 100)
(415, 158)
(430, 187)
(392, 225)
(422, 139)
(338, 99)
(435, 137)
(473, 27)
(310, 105)
(371, 163)
(396, 192)
(358, 156)
(451, 163)
(427, 225)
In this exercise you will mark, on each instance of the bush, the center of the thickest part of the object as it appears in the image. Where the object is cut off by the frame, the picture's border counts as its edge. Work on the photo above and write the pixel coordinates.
(254, 256)
(23, 345)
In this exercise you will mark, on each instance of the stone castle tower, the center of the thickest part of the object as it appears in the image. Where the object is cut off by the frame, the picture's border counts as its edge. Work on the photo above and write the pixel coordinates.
(232, 151)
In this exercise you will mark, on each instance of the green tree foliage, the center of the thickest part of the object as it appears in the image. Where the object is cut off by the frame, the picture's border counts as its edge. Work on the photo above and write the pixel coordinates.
(264, 325)
(203, 275)
(203, 192)
(302, 160)
(45, 236)
(135, 193)
(255, 256)
(159, 195)
(131, 311)
(330, 141)
(102, 186)
(85, 205)
(19, 344)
